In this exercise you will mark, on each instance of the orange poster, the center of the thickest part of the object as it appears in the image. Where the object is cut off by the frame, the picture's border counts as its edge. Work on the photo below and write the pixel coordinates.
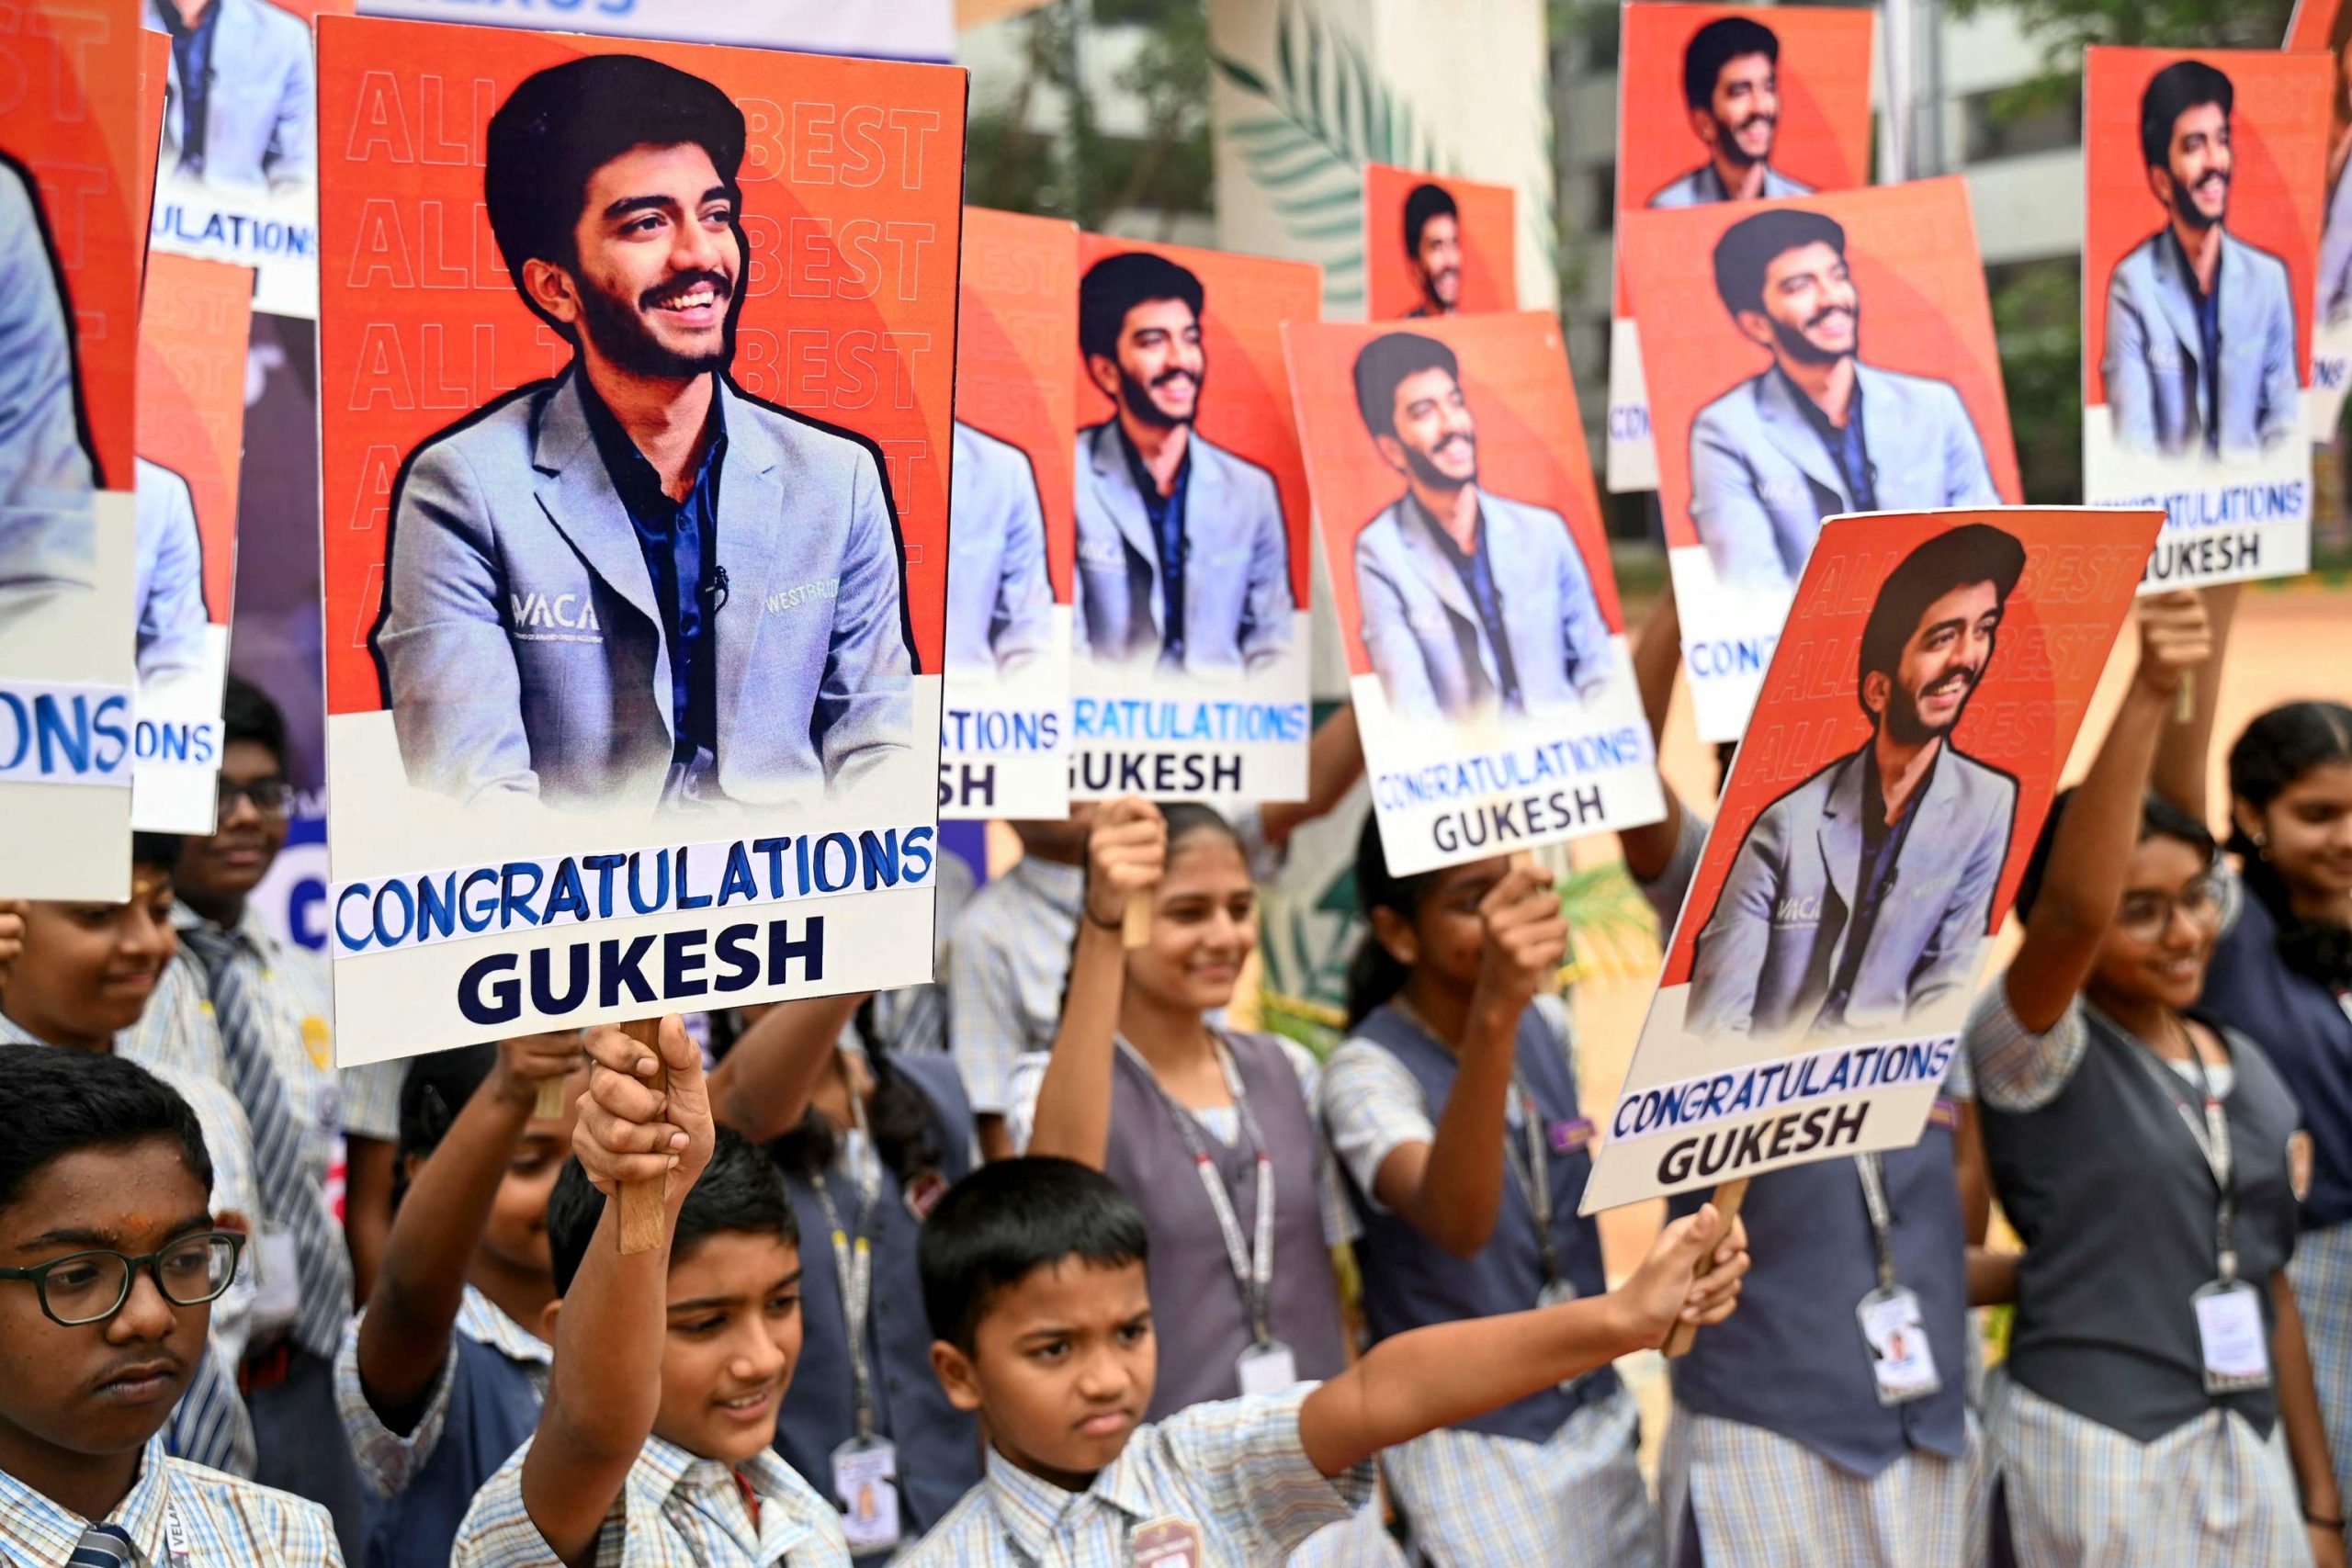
(1827, 355)
(1471, 578)
(1945, 662)
(1435, 246)
(193, 320)
(1004, 733)
(2326, 26)
(1190, 679)
(69, 308)
(637, 392)
(1727, 102)
(2204, 174)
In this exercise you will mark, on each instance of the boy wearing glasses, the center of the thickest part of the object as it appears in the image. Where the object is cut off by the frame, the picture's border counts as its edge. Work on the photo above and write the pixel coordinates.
(270, 1041)
(87, 973)
(112, 1263)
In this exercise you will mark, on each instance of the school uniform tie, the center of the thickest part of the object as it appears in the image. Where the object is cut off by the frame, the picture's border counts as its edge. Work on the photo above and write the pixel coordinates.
(103, 1546)
(288, 1194)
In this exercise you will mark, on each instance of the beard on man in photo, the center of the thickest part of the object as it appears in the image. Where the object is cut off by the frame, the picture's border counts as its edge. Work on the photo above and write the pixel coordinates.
(1731, 91)
(1433, 247)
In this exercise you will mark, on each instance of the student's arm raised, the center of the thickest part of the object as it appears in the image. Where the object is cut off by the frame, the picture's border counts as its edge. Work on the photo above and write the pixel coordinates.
(606, 1386)
(1125, 855)
(1433, 1377)
(2082, 884)
(1334, 762)
(1656, 657)
(404, 1338)
(1451, 1188)
(762, 1087)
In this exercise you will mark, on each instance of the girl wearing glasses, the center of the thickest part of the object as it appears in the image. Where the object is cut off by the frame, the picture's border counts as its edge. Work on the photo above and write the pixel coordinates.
(2157, 1381)
(2282, 970)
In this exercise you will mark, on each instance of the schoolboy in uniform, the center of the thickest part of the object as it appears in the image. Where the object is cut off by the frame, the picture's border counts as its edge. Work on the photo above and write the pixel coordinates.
(113, 1263)
(1034, 1277)
(442, 1378)
(669, 1363)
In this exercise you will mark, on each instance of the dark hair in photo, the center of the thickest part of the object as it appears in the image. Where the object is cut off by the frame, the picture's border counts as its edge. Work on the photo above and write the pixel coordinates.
(901, 1118)
(1957, 557)
(160, 850)
(1006, 1221)
(2159, 819)
(1373, 975)
(1748, 248)
(1116, 285)
(2183, 85)
(1716, 45)
(741, 1192)
(1424, 202)
(562, 124)
(1382, 366)
(247, 714)
(1186, 818)
(60, 1103)
(433, 1089)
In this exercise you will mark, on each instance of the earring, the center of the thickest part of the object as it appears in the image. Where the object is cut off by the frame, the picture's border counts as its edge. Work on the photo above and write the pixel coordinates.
(2261, 844)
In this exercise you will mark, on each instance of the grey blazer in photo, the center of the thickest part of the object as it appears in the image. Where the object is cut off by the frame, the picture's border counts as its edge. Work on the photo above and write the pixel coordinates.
(1761, 480)
(1776, 938)
(1237, 603)
(258, 107)
(1703, 187)
(1423, 633)
(1000, 604)
(2155, 366)
(167, 598)
(521, 646)
(2333, 291)
(48, 532)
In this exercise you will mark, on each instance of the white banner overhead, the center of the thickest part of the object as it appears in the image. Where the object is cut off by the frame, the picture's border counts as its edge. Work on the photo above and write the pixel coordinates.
(893, 29)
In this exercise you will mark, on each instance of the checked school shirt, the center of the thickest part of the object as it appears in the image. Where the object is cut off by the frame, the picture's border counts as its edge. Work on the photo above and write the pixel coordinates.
(222, 1521)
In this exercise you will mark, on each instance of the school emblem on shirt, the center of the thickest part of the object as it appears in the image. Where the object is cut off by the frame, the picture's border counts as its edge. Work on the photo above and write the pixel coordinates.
(1165, 1543)
(2298, 1164)
(318, 1039)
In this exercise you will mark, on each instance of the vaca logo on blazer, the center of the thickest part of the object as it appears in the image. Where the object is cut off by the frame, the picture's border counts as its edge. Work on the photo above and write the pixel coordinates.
(553, 617)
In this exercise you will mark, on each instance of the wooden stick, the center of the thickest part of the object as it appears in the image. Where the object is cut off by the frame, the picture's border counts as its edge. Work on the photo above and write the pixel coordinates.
(641, 1201)
(549, 1105)
(2184, 701)
(1135, 925)
(1727, 1199)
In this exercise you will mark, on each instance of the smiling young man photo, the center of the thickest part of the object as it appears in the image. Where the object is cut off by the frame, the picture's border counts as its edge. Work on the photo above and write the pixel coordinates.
(1433, 249)
(633, 586)
(1859, 897)
(2201, 325)
(1183, 559)
(1819, 431)
(1730, 87)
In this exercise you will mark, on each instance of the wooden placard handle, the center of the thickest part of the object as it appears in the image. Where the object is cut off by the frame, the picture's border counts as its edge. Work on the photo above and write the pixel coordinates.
(548, 1107)
(1134, 923)
(641, 1201)
(1727, 1199)
(2184, 701)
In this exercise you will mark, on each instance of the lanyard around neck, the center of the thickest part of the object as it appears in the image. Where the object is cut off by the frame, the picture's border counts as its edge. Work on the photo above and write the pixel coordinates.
(1253, 1263)
(853, 1260)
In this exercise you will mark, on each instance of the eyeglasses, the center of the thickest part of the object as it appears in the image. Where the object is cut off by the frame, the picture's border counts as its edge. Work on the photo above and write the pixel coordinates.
(2145, 917)
(271, 798)
(90, 1287)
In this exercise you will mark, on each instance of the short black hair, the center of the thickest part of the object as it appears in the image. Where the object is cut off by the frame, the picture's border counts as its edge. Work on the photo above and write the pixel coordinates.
(1955, 558)
(1424, 202)
(1748, 248)
(561, 125)
(1186, 818)
(247, 714)
(1116, 285)
(2183, 85)
(161, 850)
(60, 1103)
(1008, 1219)
(434, 1088)
(1382, 366)
(1972, 553)
(2159, 819)
(740, 1192)
(1716, 45)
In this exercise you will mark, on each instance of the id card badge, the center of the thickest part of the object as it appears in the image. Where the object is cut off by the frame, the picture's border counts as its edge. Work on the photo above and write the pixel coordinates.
(277, 1290)
(865, 1485)
(2229, 1328)
(1267, 1368)
(1903, 1363)
(1165, 1543)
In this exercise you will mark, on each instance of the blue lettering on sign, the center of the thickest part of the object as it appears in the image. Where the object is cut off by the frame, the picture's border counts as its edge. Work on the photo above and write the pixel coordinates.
(1739, 656)
(64, 735)
(1629, 422)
